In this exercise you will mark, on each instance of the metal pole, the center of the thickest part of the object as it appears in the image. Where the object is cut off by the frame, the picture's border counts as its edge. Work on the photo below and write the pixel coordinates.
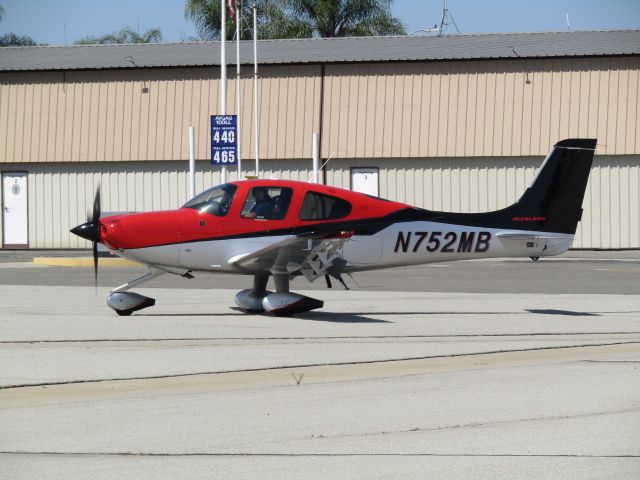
(223, 71)
(238, 102)
(192, 163)
(316, 157)
(255, 87)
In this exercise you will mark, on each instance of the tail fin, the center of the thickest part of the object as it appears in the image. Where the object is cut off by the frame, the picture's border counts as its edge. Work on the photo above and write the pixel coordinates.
(553, 203)
(554, 200)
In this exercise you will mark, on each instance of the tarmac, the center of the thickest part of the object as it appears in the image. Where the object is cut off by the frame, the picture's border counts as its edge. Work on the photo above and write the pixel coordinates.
(379, 384)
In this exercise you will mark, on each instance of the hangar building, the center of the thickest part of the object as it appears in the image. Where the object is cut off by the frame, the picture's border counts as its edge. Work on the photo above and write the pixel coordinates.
(455, 123)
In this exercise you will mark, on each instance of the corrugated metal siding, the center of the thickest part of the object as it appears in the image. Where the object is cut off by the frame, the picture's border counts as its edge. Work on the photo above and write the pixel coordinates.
(439, 109)
(61, 194)
(107, 116)
(480, 108)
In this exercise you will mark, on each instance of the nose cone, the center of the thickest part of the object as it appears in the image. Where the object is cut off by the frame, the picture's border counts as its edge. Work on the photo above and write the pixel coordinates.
(89, 231)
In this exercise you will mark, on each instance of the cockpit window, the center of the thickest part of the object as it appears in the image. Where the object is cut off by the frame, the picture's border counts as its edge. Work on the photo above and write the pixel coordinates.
(267, 203)
(317, 206)
(215, 201)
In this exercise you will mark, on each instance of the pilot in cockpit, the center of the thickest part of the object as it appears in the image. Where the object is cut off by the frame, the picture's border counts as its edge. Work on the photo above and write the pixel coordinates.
(263, 208)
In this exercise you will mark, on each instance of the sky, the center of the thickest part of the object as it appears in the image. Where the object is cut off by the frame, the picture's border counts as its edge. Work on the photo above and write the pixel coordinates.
(60, 22)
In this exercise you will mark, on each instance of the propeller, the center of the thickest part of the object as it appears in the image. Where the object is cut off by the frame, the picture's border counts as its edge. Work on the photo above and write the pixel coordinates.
(91, 231)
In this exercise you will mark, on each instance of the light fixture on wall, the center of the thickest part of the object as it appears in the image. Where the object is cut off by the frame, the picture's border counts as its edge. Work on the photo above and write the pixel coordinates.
(145, 89)
(526, 74)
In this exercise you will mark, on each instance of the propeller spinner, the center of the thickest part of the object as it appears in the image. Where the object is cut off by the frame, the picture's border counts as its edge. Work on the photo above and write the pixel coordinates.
(91, 231)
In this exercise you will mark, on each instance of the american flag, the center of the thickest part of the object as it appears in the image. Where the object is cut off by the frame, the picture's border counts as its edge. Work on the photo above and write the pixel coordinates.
(232, 9)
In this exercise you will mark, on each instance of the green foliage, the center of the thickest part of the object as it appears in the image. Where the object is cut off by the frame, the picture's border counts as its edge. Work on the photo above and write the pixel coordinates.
(344, 18)
(126, 35)
(297, 18)
(15, 40)
(205, 15)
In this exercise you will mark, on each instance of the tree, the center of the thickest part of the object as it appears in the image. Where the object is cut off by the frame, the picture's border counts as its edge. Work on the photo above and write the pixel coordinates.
(126, 35)
(344, 18)
(205, 14)
(15, 40)
(298, 18)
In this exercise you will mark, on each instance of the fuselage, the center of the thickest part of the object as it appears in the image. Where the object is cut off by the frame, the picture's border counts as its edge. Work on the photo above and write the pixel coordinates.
(382, 233)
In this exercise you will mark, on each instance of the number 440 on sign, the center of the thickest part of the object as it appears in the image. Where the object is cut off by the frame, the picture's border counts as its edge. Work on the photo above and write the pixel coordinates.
(224, 147)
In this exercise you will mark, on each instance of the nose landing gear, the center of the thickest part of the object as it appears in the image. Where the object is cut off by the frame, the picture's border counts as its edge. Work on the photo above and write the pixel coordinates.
(125, 303)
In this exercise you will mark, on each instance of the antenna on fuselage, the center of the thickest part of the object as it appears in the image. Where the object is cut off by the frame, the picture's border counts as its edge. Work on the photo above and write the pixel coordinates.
(321, 166)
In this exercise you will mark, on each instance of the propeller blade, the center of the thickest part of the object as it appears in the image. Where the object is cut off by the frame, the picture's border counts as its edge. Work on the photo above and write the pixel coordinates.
(95, 264)
(96, 205)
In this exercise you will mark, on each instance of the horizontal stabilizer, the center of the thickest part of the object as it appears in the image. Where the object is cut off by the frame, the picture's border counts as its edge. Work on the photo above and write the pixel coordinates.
(525, 236)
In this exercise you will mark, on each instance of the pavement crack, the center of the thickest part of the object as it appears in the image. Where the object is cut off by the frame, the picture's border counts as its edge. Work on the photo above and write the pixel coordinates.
(483, 424)
(303, 455)
(344, 337)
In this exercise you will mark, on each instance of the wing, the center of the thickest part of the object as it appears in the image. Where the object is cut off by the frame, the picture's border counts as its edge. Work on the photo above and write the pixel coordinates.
(312, 255)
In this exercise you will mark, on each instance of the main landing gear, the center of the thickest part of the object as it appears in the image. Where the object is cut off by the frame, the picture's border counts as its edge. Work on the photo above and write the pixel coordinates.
(282, 303)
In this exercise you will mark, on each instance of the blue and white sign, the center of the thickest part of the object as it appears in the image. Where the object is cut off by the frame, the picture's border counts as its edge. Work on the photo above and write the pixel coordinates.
(224, 139)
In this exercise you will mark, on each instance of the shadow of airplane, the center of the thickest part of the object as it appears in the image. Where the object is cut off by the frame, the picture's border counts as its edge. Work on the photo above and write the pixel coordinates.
(363, 317)
(313, 316)
(334, 317)
(571, 313)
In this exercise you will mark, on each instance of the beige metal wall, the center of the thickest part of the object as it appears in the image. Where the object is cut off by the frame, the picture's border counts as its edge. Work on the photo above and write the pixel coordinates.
(385, 110)
(141, 115)
(60, 194)
(480, 108)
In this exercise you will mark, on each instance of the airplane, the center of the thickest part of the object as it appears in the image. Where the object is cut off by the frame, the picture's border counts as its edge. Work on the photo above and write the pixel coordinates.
(286, 229)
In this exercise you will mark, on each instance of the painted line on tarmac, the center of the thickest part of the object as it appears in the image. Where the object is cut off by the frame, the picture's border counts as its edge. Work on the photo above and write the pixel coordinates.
(84, 262)
(364, 363)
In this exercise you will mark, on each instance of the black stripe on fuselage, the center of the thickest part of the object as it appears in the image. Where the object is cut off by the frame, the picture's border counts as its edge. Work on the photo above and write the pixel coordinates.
(372, 226)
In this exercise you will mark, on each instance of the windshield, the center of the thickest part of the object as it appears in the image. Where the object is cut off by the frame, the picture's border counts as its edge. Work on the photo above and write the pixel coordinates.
(215, 201)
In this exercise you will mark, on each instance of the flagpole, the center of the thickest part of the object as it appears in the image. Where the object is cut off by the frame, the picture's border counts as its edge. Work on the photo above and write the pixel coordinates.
(255, 86)
(223, 71)
(238, 90)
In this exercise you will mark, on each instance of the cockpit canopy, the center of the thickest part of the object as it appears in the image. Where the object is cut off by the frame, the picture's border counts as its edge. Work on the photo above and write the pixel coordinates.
(215, 201)
(270, 202)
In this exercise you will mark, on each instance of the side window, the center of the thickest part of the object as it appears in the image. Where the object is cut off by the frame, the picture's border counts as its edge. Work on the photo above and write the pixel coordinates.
(267, 203)
(317, 206)
(215, 201)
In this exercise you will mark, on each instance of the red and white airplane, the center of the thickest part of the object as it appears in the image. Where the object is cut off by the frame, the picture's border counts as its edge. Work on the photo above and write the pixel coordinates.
(283, 229)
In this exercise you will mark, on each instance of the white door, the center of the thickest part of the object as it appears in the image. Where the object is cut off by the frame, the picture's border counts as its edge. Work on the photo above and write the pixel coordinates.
(365, 180)
(14, 209)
